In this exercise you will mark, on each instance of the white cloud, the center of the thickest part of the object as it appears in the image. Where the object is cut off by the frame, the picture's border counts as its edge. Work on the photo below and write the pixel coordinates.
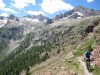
(2, 7)
(90, 1)
(9, 10)
(4, 14)
(20, 4)
(35, 12)
(52, 6)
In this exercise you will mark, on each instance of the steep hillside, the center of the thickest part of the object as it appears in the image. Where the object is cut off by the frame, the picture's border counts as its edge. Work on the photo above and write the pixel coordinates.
(6, 35)
(29, 44)
(15, 29)
(47, 42)
(68, 63)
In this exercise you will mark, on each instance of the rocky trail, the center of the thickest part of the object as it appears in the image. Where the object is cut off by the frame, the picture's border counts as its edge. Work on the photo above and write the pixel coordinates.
(57, 66)
(84, 66)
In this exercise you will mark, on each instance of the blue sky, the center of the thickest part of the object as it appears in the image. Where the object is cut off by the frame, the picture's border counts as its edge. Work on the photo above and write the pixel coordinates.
(48, 8)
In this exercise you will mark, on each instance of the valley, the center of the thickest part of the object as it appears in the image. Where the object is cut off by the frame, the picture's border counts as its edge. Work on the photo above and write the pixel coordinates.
(37, 45)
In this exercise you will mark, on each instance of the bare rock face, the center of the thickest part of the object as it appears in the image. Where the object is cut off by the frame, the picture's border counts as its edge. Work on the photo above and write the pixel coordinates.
(96, 56)
(12, 16)
(78, 12)
(91, 27)
(2, 17)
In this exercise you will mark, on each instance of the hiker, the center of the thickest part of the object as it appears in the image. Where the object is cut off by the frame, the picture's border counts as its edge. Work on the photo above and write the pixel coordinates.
(88, 58)
(88, 54)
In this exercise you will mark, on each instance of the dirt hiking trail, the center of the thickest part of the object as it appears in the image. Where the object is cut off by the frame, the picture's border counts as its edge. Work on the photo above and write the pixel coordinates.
(84, 66)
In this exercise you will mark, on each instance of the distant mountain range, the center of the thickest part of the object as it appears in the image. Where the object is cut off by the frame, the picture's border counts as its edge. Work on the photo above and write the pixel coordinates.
(34, 22)
(29, 40)
(29, 23)
(78, 12)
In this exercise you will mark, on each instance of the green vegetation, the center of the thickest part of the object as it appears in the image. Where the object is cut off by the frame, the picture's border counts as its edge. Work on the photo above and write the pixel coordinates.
(79, 53)
(6, 34)
(13, 65)
(73, 64)
(3, 48)
(85, 46)
(29, 53)
(22, 59)
(25, 43)
(96, 70)
(3, 44)
(11, 33)
(39, 68)
(85, 22)
(88, 44)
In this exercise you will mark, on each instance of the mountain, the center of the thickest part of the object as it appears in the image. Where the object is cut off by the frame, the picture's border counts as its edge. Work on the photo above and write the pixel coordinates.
(11, 16)
(54, 40)
(30, 40)
(13, 29)
(19, 20)
(2, 17)
(78, 12)
(38, 17)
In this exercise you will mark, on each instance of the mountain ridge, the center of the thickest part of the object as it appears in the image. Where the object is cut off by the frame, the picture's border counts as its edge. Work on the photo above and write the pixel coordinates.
(82, 12)
(81, 9)
(38, 41)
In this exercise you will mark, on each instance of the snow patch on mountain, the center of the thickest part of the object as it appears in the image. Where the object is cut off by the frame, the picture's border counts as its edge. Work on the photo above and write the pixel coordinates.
(3, 22)
(45, 20)
(79, 17)
(32, 20)
(65, 18)
(35, 20)
(29, 19)
(79, 13)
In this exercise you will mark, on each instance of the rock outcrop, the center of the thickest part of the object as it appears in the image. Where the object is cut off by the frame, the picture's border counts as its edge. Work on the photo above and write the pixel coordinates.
(96, 55)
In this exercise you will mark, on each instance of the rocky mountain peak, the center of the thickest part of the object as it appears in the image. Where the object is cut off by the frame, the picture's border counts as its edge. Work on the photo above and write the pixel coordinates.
(80, 7)
(11, 16)
(40, 17)
(2, 17)
(85, 11)
(78, 12)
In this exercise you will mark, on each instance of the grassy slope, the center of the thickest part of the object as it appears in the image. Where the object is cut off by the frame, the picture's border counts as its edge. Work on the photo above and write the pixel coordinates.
(74, 65)
(59, 65)
(88, 43)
